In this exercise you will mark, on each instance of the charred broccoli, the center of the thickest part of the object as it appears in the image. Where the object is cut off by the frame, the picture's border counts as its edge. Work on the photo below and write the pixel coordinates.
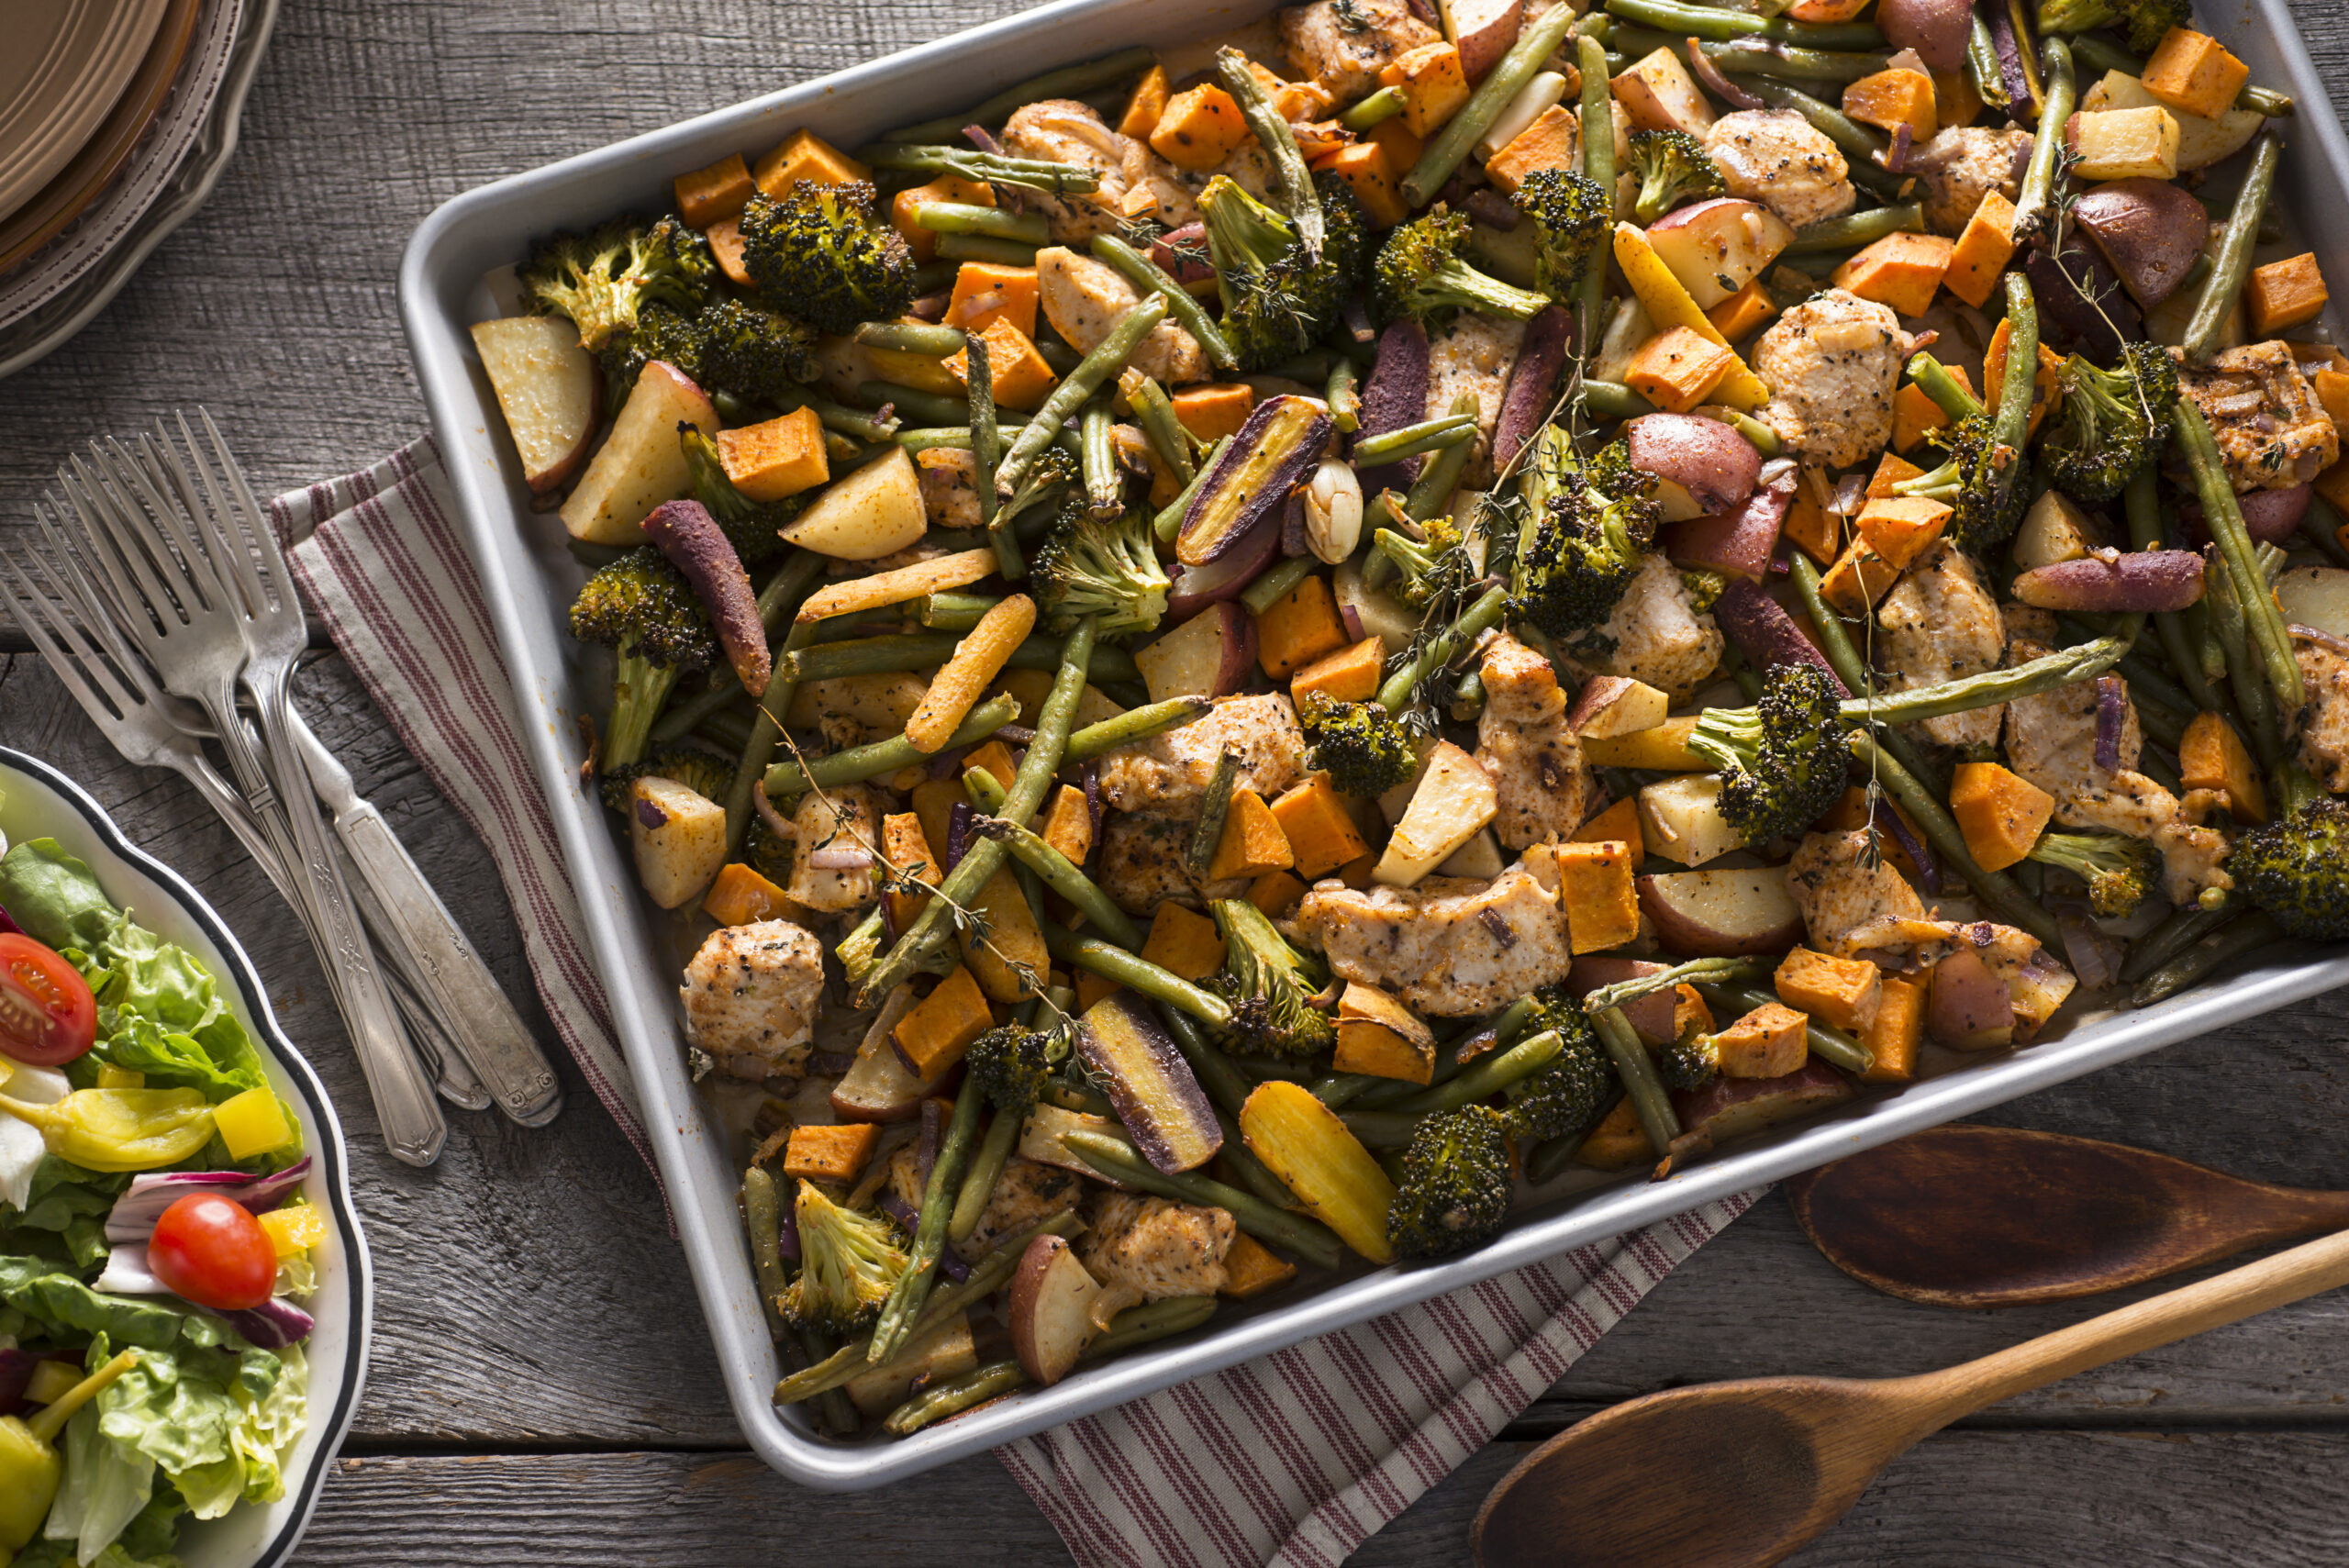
(673, 337)
(1674, 168)
(1430, 567)
(1096, 566)
(1584, 544)
(2146, 21)
(1419, 273)
(2120, 872)
(821, 248)
(770, 855)
(849, 1262)
(2297, 868)
(1365, 749)
(642, 608)
(755, 353)
(703, 773)
(1011, 1064)
(752, 528)
(1456, 1188)
(1271, 986)
(602, 281)
(1978, 480)
(1691, 1062)
(1277, 300)
(1574, 223)
(2112, 422)
(1784, 761)
(1566, 1096)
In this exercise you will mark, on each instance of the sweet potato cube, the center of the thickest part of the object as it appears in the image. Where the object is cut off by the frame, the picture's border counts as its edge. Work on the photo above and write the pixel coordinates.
(1301, 626)
(1617, 1143)
(1019, 374)
(1379, 1037)
(1899, 270)
(1676, 369)
(1657, 94)
(1319, 830)
(777, 456)
(2333, 394)
(1891, 470)
(2333, 485)
(1013, 954)
(1552, 141)
(1768, 1042)
(1213, 409)
(1184, 942)
(716, 194)
(1403, 145)
(923, 242)
(1068, 825)
(2211, 756)
(1742, 314)
(1321, 1163)
(1954, 100)
(2000, 813)
(1899, 529)
(1602, 909)
(932, 1035)
(2193, 73)
(829, 1153)
(1857, 580)
(995, 758)
(1252, 842)
(1148, 102)
(1851, 812)
(1199, 128)
(2124, 144)
(1845, 992)
(1371, 176)
(1619, 822)
(1982, 251)
(1092, 988)
(2043, 386)
(2285, 294)
(725, 239)
(1434, 85)
(1894, 1034)
(906, 847)
(1914, 416)
(740, 896)
(988, 292)
(1351, 674)
(1276, 892)
(1815, 531)
(806, 156)
(1890, 99)
(1251, 1268)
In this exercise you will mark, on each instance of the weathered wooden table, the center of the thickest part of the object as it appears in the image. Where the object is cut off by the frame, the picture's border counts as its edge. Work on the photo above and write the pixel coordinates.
(541, 1389)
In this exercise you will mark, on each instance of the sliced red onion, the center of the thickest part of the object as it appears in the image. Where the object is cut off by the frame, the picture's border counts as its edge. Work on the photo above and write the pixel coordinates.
(1293, 541)
(2322, 639)
(1851, 494)
(958, 836)
(1772, 468)
(1719, 86)
(841, 857)
(2111, 713)
(951, 1264)
(947, 765)
(1497, 928)
(898, 1209)
(1425, 13)
(1489, 207)
(2096, 957)
(1015, 735)
(925, 1147)
(777, 823)
(15, 1375)
(650, 815)
(1887, 822)
(1089, 774)
(931, 306)
(134, 1214)
(1896, 157)
(983, 138)
(1348, 612)
(829, 1063)
(271, 1326)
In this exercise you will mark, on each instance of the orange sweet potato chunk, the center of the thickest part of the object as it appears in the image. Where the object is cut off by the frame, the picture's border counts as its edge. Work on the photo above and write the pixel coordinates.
(2000, 812)
(1320, 831)
(716, 194)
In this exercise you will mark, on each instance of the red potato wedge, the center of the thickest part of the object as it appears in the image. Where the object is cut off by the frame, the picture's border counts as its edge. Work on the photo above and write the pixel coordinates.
(1968, 1007)
(1532, 382)
(1242, 497)
(2150, 231)
(1765, 633)
(1715, 248)
(1394, 395)
(1482, 31)
(1616, 704)
(2316, 598)
(1051, 1309)
(1721, 914)
(1733, 1107)
(548, 388)
(2083, 296)
(1150, 1084)
(1651, 1017)
(2139, 580)
(642, 462)
(1712, 466)
(1737, 542)
(1936, 30)
(2269, 517)
(1208, 655)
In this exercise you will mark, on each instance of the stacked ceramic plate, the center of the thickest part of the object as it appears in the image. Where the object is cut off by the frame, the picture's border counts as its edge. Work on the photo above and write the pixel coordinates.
(115, 118)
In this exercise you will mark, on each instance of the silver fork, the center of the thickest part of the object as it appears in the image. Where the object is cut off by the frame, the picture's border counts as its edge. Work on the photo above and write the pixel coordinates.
(209, 605)
(60, 612)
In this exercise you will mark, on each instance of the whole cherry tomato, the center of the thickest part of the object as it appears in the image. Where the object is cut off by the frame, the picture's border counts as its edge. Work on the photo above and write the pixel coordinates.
(212, 1251)
(47, 1014)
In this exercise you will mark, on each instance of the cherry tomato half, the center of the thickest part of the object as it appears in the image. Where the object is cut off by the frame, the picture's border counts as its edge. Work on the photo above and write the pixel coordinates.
(212, 1251)
(47, 1014)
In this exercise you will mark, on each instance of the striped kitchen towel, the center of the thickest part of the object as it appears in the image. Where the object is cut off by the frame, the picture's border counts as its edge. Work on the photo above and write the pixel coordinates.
(1293, 1459)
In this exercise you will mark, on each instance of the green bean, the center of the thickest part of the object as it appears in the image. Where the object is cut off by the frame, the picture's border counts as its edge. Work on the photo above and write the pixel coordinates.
(1411, 440)
(995, 223)
(1440, 476)
(1864, 151)
(2223, 516)
(1068, 82)
(2323, 527)
(2271, 226)
(1932, 378)
(1207, 832)
(1160, 428)
(1485, 614)
(1058, 356)
(2100, 53)
(1651, 1103)
(1119, 1160)
(1224, 1083)
(1113, 963)
(1135, 723)
(840, 416)
(1613, 400)
(889, 655)
(2249, 934)
(1539, 37)
(1995, 890)
(1758, 436)
(929, 407)
(1552, 1155)
(913, 337)
(1338, 392)
(2064, 667)
(763, 1217)
(1105, 487)
(903, 1309)
(952, 611)
(2231, 266)
(1858, 228)
(1148, 278)
(1078, 386)
(1169, 522)
(980, 247)
(685, 715)
(1279, 142)
(1485, 1077)
(1597, 107)
(2253, 697)
(1062, 875)
(987, 452)
(1759, 56)
(955, 1395)
(1363, 114)
(2036, 210)
(879, 758)
(987, 1168)
(1275, 585)
(1829, 1044)
(1682, 21)
(2187, 925)
(766, 726)
(1719, 971)
(1988, 82)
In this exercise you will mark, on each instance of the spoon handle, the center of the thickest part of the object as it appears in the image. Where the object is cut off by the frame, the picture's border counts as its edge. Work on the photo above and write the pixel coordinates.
(2304, 1271)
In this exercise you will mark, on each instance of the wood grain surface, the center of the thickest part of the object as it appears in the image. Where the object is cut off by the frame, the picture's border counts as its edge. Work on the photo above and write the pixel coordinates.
(541, 1389)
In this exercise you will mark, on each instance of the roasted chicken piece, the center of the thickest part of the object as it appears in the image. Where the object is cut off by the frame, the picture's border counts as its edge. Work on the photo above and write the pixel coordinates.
(751, 996)
(1449, 948)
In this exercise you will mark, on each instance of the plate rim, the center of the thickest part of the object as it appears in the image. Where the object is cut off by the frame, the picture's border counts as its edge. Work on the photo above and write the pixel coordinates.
(123, 34)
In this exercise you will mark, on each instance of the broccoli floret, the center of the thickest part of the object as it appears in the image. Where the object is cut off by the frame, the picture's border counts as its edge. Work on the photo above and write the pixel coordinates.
(2146, 21)
(1630, 487)
(1566, 1096)
(1705, 587)
(1978, 480)
(1691, 1062)
(1420, 274)
(660, 333)
(2112, 422)
(1277, 300)
(1574, 222)
(1429, 567)
(1271, 986)
(821, 248)
(1365, 749)
(755, 353)
(1583, 545)
(1011, 1064)
(1455, 1187)
(703, 773)
(849, 1262)
(1784, 761)
(1674, 168)
(752, 528)
(644, 608)
(2296, 869)
(2120, 872)
(766, 853)
(602, 281)
(1048, 479)
(1096, 566)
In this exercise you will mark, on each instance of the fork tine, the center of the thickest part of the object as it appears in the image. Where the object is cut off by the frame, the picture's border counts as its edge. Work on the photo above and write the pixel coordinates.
(112, 545)
(49, 632)
(202, 511)
(201, 563)
(270, 556)
(98, 625)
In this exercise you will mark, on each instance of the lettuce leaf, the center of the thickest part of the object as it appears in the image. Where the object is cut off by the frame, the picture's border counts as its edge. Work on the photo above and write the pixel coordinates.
(219, 1444)
(53, 896)
(105, 1487)
(64, 1218)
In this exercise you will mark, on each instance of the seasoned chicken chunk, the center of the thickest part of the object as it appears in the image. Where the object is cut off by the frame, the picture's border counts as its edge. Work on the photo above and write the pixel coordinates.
(1168, 773)
(1543, 787)
(1026, 1192)
(1142, 865)
(1774, 157)
(1473, 356)
(751, 996)
(949, 497)
(1345, 44)
(1147, 1248)
(843, 820)
(2322, 722)
(1449, 948)
(852, 710)
(1084, 300)
(2272, 431)
(1850, 894)
(1960, 165)
(1656, 634)
(1941, 624)
(1833, 363)
(1062, 130)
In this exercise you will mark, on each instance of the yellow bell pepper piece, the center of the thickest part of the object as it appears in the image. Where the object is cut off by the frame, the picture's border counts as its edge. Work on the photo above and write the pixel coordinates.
(121, 1130)
(1669, 305)
(252, 1123)
(293, 1229)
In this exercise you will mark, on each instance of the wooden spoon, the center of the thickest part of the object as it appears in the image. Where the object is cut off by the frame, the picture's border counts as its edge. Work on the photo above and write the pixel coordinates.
(1740, 1475)
(1970, 1215)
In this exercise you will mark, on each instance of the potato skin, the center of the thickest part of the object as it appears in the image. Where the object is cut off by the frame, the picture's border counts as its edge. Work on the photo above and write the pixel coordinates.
(2150, 231)
(2142, 580)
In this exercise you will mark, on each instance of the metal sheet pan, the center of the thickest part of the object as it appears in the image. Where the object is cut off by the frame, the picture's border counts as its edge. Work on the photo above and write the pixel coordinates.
(530, 577)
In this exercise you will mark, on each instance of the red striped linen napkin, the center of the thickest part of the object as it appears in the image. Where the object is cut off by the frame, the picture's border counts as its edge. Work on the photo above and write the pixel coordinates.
(1291, 1461)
